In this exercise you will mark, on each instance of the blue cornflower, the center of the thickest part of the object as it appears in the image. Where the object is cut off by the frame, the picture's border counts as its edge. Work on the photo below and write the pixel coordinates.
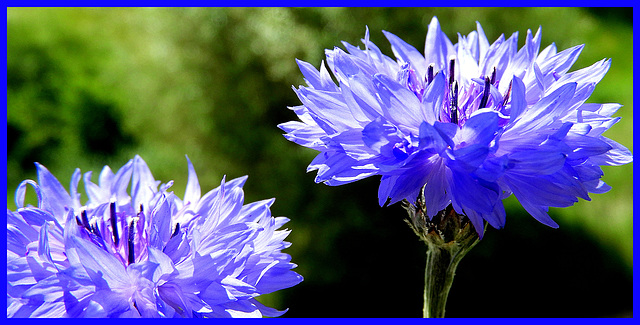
(465, 124)
(143, 254)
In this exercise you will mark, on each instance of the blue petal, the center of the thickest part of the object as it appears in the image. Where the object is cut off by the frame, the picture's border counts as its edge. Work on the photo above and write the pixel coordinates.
(468, 193)
(44, 251)
(430, 138)
(225, 211)
(121, 180)
(492, 168)
(55, 198)
(241, 309)
(254, 211)
(145, 301)
(518, 101)
(336, 168)
(600, 109)
(436, 48)
(539, 212)
(476, 221)
(407, 53)
(447, 132)
(539, 191)
(567, 178)
(317, 79)
(19, 234)
(483, 42)
(210, 202)
(143, 185)
(547, 110)
(467, 63)
(346, 66)
(585, 146)
(192, 192)
(379, 135)
(352, 143)
(618, 155)
(174, 297)
(386, 184)
(327, 108)
(198, 271)
(238, 289)
(402, 105)
(107, 303)
(436, 192)
(309, 136)
(22, 190)
(536, 162)
(268, 311)
(381, 62)
(278, 277)
(432, 99)
(497, 57)
(561, 62)
(469, 158)
(497, 219)
(37, 217)
(165, 266)
(216, 294)
(104, 269)
(588, 172)
(359, 95)
(408, 184)
(481, 128)
(73, 187)
(597, 186)
(94, 192)
(160, 225)
(178, 248)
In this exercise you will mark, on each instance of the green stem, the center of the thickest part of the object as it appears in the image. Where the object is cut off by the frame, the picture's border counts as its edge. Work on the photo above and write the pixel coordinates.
(449, 237)
(438, 278)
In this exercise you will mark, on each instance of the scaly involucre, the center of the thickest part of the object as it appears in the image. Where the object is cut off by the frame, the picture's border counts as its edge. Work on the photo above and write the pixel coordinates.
(471, 123)
(144, 254)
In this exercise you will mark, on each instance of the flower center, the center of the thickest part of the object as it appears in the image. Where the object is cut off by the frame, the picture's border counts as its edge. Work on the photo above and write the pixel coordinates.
(461, 99)
(107, 234)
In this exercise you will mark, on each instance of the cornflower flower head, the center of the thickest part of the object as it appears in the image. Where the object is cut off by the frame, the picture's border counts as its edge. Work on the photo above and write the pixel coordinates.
(146, 253)
(461, 125)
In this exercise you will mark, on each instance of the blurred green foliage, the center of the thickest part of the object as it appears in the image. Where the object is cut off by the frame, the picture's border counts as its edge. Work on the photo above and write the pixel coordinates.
(91, 87)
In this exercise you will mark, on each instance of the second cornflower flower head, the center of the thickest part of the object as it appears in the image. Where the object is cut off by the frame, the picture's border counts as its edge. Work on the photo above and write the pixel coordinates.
(146, 253)
(464, 124)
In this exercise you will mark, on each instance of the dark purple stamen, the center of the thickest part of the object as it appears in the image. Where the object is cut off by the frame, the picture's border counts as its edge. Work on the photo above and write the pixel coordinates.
(493, 76)
(430, 73)
(131, 257)
(85, 220)
(454, 103)
(137, 309)
(94, 230)
(114, 223)
(176, 231)
(452, 70)
(78, 222)
(485, 93)
(506, 97)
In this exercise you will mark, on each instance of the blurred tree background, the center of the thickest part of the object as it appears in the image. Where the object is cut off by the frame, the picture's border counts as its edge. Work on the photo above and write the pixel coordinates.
(93, 87)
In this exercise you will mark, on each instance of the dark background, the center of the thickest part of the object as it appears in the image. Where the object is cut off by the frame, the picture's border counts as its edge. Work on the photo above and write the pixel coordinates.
(89, 87)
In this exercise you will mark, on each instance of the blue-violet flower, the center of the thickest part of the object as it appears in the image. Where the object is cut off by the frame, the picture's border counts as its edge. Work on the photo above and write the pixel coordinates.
(468, 123)
(143, 254)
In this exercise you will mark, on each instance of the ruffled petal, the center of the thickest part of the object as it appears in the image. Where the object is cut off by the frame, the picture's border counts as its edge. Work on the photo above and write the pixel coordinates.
(55, 198)
(192, 192)
(407, 53)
